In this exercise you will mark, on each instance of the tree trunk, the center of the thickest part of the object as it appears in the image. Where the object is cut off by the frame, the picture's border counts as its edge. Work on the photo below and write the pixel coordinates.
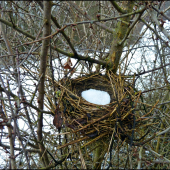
(119, 34)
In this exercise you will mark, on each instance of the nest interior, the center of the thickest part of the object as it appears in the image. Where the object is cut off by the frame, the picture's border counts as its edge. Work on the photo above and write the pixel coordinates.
(90, 119)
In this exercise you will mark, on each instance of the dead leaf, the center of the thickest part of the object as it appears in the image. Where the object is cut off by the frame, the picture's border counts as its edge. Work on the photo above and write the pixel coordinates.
(58, 121)
(69, 62)
(67, 66)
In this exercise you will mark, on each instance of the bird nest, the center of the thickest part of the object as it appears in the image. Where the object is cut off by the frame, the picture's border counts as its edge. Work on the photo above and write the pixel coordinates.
(91, 120)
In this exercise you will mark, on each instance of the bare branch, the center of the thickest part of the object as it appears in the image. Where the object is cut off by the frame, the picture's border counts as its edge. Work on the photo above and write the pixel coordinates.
(20, 149)
(166, 43)
(43, 64)
(88, 17)
(117, 7)
(132, 26)
(160, 25)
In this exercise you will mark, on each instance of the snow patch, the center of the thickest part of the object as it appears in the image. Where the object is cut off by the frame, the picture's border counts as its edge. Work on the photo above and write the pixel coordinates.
(96, 96)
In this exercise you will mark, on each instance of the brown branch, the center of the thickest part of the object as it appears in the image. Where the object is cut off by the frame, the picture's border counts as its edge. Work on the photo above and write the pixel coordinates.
(36, 108)
(161, 12)
(33, 53)
(72, 55)
(16, 128)
(24, 102)
(88, 17)
(58, 26)
(156, 89)
(105, 19)
(144, 72)
(43, 65)
(20, 149)
(17, 28)
(47, 37)
(8, 93)
(132, 26)
(63, 33)
(155, 33)
(160, 26)
(11, 141)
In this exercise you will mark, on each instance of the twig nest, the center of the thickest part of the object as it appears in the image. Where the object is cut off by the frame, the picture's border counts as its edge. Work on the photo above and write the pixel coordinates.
(93, 119)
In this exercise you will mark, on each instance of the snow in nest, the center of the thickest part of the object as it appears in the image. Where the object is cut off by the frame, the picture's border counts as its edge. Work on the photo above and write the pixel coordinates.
(96, 96)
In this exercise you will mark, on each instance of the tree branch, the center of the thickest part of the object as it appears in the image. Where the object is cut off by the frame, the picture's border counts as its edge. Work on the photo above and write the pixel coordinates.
(160, 26)
(43, 65)
(88, 17)
(19, 149)
(58, 26)
(161, 12)
(144, 72)
(155, 32)
(36, 108)
(72, 55)
(17, 28)
(132, 26)
(117, 7)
